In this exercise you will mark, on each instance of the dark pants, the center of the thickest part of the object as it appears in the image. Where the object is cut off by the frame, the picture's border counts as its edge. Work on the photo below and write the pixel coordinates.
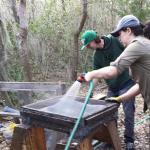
(128, 108)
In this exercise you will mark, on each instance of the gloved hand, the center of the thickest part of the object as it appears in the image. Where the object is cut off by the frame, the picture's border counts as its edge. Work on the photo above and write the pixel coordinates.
(114, 99)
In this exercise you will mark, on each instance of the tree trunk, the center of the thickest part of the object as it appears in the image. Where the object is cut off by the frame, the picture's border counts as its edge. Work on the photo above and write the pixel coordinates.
(22, 38)
(24, 97)
(75, 51)
(14, 10)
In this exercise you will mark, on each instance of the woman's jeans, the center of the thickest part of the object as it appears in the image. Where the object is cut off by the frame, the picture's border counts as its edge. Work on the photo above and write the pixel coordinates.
(128, 108)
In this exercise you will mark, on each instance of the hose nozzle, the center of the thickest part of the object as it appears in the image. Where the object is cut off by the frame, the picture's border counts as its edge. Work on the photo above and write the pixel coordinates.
(81, 79)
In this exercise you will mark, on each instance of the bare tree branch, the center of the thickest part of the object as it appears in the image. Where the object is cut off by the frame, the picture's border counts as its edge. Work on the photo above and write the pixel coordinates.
(75, 51)
(63, 5)
(84, 16)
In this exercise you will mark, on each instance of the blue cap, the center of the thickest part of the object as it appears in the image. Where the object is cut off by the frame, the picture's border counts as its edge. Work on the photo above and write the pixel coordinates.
(126, 21)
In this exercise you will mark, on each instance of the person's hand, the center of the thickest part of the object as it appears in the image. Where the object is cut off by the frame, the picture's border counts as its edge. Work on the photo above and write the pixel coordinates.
(88, 76)
(114, 99)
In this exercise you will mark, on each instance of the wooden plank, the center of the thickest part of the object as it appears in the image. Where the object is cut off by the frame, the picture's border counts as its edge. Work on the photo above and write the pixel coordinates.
(33, 86)
(24, 89)
(99, 96)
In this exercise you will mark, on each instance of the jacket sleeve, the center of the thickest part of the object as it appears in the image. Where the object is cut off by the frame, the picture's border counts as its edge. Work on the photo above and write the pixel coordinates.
(128, 57)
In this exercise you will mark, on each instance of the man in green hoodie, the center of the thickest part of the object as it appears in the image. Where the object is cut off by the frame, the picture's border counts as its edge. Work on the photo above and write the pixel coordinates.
(107, 49)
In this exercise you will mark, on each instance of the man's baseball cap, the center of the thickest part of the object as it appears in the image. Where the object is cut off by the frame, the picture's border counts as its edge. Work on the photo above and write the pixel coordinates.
(126, 21)
(87, 37)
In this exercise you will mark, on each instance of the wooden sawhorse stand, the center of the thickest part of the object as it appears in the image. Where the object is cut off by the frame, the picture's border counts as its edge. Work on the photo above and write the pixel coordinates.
(33, 138)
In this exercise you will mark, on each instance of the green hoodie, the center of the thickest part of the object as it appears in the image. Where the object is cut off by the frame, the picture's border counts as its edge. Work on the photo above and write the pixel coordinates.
(102, 58)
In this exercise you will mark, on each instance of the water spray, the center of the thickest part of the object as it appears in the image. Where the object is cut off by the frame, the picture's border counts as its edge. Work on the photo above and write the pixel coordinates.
(80, 79)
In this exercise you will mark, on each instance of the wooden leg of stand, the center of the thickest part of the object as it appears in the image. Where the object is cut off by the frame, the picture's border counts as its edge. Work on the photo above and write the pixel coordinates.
(86, 144)
(112, 129)
(18, 137)
(108, 133)
(33, 138)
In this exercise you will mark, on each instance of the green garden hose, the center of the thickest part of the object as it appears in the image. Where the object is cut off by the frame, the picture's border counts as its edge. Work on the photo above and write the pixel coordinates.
(80, 115)
(146, 118)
